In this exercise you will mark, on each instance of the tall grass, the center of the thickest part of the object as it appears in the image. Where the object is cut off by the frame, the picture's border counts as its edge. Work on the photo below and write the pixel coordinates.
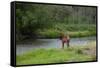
(45, 56)
(74, 30)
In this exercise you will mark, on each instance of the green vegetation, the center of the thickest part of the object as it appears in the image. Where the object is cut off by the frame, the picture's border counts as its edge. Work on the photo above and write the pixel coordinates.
(45, 56)
(80, 31)
(48, 21)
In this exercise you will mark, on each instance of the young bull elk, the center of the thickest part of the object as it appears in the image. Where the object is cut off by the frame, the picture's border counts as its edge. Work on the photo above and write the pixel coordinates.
(65, 39)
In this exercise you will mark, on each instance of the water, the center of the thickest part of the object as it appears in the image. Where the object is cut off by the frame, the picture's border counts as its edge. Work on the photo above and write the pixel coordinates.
(50, 43)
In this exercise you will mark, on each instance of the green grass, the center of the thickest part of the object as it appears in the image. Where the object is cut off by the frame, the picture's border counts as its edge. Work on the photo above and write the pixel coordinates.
(45, 56)
(74, 30)
(53, 33)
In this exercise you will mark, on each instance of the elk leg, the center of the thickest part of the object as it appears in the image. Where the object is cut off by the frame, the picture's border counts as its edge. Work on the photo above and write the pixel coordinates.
(62, 45)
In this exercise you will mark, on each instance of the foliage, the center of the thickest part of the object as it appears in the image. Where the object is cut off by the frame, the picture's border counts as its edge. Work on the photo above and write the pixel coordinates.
(38, 20)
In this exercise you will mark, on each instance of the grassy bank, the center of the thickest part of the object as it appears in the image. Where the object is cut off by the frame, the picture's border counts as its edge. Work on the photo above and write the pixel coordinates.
(74, 30)
(45, 56)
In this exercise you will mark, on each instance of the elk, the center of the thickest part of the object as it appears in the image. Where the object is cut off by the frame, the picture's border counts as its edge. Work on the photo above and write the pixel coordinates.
(65, 39)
